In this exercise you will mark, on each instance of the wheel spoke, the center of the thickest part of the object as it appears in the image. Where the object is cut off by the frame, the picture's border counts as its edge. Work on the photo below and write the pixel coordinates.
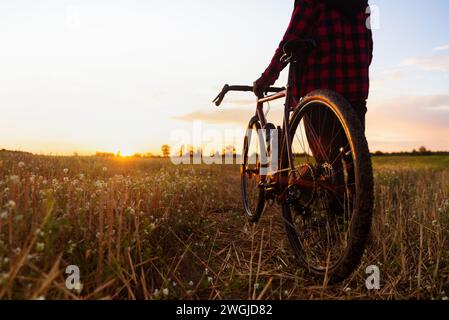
(322, 235)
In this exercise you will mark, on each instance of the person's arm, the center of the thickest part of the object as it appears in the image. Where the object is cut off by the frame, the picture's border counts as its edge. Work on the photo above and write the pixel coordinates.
(303, 17)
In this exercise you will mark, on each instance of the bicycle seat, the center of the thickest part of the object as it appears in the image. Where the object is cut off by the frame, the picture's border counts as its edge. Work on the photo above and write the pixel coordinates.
(297, 48)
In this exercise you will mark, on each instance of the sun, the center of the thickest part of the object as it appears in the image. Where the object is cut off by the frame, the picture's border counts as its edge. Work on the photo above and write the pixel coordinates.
(125, 151)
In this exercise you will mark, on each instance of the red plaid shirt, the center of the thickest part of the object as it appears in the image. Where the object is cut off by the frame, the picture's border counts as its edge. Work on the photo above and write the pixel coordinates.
(342, 58)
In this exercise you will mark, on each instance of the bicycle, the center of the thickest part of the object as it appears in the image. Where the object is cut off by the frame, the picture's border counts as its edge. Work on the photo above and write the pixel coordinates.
(325, 188)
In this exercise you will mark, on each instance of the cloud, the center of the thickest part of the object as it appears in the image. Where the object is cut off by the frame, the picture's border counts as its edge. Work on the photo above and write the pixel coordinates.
(434, 63)
(407, 122)
(382, 79)
(243, 102)
(441, 48)
(430, 110)
(220, 116)
(400, 123)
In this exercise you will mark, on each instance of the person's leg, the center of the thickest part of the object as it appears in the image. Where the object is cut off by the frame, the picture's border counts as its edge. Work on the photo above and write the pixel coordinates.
(326, 137)
(360, 109)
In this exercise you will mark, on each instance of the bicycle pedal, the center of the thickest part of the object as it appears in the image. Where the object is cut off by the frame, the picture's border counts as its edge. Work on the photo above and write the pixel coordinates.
(267, 186)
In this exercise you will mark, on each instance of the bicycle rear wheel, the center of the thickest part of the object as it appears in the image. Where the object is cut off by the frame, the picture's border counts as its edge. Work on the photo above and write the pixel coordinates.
(328, 203)
(253, 192)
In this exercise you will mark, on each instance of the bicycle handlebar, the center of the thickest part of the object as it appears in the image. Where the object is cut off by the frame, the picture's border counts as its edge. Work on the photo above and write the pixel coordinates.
(219, 99)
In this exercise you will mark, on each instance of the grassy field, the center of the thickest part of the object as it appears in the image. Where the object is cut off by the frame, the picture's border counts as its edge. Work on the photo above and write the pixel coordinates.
(146, 229)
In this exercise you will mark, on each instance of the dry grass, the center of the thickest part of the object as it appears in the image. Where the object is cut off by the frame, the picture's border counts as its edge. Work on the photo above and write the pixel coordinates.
(146, 229)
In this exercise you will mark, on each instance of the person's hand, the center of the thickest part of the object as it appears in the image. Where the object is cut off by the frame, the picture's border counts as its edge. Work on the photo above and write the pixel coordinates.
(260, 86)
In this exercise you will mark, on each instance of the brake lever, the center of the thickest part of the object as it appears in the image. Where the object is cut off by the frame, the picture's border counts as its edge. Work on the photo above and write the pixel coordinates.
(219, 99)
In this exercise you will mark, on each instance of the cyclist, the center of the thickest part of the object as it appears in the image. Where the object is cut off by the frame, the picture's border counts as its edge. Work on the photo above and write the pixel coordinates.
(341, 60)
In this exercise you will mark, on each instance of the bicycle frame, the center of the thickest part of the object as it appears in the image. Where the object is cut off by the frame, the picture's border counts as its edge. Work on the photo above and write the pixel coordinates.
(290, 58)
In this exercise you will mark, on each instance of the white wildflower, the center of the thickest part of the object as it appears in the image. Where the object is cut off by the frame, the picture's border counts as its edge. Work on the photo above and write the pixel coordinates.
(4, 277)
(66, 170)
(14, 179)
(21, 164)
(40, 246)
(165, 291)
(11, 204)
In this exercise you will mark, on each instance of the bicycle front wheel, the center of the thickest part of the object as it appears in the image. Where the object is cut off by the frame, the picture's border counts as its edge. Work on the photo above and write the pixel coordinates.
(328, 203)
(252, 179)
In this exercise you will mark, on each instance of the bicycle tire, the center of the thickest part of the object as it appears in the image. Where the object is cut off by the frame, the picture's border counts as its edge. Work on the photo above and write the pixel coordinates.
(362, 205)
(252, 213)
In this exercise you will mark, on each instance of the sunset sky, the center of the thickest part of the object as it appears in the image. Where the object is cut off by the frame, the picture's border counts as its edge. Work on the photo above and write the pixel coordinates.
(90, 75)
